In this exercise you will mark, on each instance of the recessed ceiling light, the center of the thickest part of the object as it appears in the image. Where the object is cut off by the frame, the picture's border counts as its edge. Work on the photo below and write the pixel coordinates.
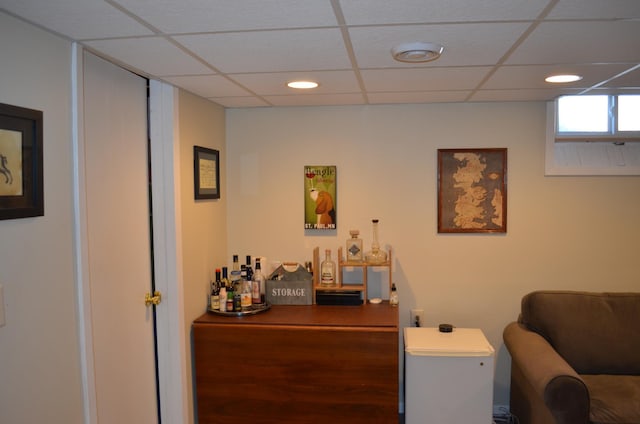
(303, 85)
(417, 52)
(564, 78)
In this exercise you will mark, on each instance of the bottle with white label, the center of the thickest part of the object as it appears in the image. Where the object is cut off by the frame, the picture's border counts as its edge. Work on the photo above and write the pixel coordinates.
(245, 290)
(327, 270)
(258, 284)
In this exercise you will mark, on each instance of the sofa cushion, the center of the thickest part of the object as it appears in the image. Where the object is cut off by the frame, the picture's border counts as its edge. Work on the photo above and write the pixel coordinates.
(615, 399)
(596, 333)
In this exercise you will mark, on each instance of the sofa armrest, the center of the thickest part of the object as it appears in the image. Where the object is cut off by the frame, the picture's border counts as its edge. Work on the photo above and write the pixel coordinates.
(551, 378)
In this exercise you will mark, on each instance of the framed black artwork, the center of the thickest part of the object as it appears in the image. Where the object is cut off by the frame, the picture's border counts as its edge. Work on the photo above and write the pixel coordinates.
(21, 179)
(206, 173)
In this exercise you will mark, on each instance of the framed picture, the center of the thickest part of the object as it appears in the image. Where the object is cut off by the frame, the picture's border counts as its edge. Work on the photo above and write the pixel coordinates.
(472, 190)
(320, 198)
(206, 173)
(21, 179)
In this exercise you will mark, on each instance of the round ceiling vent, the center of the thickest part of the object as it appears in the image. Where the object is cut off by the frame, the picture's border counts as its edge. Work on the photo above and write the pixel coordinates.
(417, 52)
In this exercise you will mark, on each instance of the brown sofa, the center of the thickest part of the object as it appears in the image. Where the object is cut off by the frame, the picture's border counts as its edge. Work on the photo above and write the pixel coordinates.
(575, 358)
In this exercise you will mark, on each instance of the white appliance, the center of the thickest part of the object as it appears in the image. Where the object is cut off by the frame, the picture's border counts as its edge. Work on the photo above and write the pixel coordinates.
(448, 376)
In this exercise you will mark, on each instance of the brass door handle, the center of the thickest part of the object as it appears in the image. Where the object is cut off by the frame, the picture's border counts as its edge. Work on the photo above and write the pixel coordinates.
(152, 300)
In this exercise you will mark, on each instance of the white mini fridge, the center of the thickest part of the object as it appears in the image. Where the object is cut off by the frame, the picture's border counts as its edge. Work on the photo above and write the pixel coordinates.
(448, 377)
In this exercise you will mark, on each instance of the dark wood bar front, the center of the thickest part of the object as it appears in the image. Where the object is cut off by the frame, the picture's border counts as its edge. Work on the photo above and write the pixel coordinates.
(298, 364)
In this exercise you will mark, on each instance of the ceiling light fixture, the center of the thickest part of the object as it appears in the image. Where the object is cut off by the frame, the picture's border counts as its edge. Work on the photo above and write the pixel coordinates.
(417, 52)
(302, 85)
(562, 79)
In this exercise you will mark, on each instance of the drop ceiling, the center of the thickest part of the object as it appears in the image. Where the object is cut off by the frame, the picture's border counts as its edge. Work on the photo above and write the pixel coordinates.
(241, 53)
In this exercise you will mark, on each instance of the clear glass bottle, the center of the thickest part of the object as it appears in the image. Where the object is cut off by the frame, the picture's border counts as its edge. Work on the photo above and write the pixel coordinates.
(393, 296)
(327, 270)
(354, 247)
(376, 255)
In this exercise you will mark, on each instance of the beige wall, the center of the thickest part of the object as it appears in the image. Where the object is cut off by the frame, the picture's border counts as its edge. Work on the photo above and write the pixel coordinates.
(204, 232)
(39, 352)
(563, 232)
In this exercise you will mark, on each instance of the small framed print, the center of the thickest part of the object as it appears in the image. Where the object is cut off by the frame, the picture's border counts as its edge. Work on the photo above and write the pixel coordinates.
(206, 173)
(472, 190)
(21, 178)
(320, 197)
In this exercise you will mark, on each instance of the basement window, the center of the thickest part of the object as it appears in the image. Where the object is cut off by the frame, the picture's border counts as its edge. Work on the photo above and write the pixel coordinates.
(593, 135)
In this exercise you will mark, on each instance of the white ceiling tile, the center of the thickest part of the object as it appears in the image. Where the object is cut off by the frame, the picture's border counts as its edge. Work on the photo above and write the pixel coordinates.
(508, 77)
(77, 19)
(580, 42)
(269, 51)
(629, 79)
(364, 12)
(228, 15)
(316, 100)
(208, 85)
(152, 55)
(464, 44)
(591, 9)
(419, 97)
(275, 83)
(520, 95)
(445, 79)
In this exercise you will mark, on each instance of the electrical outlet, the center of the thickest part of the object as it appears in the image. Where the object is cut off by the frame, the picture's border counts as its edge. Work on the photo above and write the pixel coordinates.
(417, 318)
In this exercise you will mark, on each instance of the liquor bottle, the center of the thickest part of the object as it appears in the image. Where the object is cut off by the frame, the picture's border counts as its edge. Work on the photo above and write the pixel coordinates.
(225, 277)
(328, 270)
(245, 289)
(230, 298)
(223, 297)
(258, 284)
(249, 268)
(236, 264)
(354, 247)
(393, 296)
(224, 283)
(215, 292)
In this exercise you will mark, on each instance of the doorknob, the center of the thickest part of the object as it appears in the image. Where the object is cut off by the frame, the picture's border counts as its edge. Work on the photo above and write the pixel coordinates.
(153, 300)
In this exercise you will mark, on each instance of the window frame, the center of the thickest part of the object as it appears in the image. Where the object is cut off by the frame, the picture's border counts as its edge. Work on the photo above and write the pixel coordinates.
(612, 134)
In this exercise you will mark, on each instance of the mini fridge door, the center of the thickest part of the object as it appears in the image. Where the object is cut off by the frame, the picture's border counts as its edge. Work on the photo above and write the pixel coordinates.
(448, 377)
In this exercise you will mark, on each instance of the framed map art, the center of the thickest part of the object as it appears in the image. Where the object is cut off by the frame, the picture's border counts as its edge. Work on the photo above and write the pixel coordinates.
(472, 190)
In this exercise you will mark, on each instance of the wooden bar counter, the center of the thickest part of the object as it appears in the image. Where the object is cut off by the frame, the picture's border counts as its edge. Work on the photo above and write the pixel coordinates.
(298, 364)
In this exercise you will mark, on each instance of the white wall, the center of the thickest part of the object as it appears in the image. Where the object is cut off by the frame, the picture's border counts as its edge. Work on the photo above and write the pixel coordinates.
(204, 232)
(39, 353)
(563, 232)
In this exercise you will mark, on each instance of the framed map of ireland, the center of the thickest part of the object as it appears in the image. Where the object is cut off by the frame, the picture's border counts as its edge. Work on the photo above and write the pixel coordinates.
(472, 190)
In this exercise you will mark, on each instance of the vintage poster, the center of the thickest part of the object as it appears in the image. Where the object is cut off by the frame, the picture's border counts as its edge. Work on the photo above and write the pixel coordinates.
(320, 198)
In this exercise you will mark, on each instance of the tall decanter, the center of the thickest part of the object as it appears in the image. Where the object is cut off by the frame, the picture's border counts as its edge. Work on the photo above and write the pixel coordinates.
(375, 255)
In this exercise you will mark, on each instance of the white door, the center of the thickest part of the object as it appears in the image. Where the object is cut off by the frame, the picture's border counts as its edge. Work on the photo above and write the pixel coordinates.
(114, 181)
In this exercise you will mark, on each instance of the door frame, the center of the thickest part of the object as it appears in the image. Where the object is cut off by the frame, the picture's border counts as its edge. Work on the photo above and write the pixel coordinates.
(171, 338)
